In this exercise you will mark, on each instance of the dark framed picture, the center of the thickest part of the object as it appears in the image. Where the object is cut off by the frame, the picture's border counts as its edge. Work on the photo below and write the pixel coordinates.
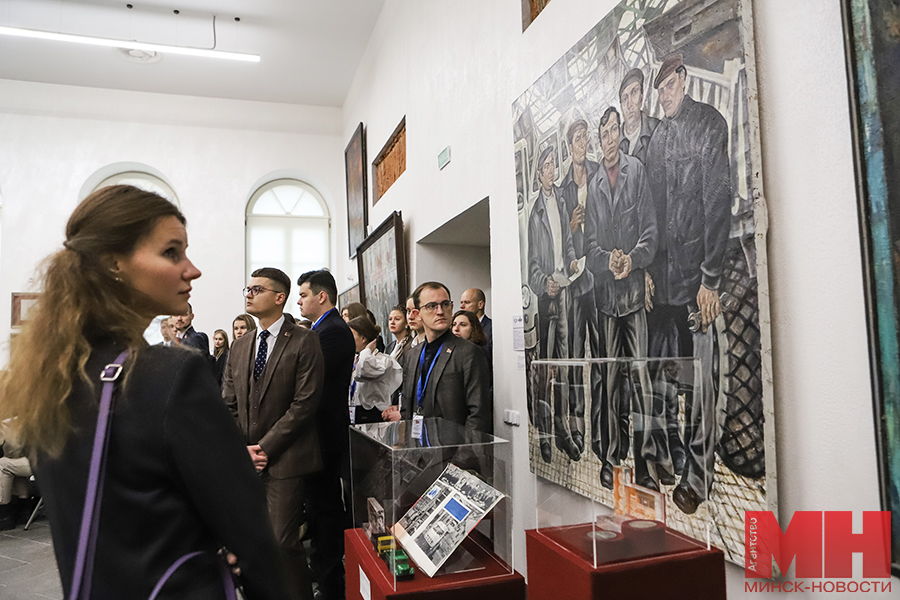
(873, 57)
(357, 189)
(382, 270)
(22, 303)
(348, 296)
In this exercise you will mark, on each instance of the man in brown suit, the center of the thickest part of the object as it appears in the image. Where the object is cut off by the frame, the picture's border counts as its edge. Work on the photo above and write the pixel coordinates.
(272, 384)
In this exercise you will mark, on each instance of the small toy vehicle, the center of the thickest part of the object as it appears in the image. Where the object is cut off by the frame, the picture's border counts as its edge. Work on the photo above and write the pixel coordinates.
(401, 567)
(384, 543)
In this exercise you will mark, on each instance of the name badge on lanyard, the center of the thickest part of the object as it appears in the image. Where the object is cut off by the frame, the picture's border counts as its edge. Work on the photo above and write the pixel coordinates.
(421, 386)
(417, 426)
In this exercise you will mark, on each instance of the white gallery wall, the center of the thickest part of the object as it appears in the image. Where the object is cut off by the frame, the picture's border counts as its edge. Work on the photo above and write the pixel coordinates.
(454, 69)
(214, 152)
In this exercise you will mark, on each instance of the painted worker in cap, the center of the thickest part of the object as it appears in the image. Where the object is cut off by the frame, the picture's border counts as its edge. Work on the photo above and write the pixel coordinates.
(585, 322)
(637, 126)
(690, 181)
(637, 129)
(551, 260)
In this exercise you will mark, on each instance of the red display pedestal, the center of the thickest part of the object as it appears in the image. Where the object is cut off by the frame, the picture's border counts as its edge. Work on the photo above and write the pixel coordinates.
(678, 569)
(493, 582)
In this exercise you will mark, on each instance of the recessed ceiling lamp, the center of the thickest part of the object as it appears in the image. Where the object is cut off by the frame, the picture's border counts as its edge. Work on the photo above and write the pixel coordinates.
(129, 45)
(138, 56)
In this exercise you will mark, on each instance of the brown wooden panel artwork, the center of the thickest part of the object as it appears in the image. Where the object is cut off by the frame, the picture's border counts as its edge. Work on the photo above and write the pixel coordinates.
(391, 162)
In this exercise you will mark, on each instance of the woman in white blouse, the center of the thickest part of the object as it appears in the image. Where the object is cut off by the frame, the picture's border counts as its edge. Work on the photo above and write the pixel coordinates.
(375, 375)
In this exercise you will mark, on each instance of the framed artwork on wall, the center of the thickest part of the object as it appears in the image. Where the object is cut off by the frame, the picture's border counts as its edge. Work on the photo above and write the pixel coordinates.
(382, 270)
(22, 302)
(357, 189)
(348, 296)
(873, 61)
(593, 122)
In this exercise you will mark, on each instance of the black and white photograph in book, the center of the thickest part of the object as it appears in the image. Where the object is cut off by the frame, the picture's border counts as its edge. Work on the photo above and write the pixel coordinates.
(642, 235)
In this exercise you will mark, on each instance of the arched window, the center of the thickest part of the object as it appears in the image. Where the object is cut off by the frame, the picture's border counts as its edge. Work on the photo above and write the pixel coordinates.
(139, 175)
(288, 227)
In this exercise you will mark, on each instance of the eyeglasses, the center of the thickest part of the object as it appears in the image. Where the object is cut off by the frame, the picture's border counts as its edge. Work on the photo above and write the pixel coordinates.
(446, 305)
(256, 290)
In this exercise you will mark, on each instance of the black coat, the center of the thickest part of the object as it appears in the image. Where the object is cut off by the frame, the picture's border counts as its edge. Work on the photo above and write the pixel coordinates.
(540, 243)
(568, 190)
(196, 339)
(690, 180)
(622, 219)
(178, 479)
(648, 126)
(339, 349)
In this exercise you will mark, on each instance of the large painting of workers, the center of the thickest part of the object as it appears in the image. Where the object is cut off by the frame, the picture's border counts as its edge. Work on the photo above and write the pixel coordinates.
(382, 271)
(642, 234)
(873, 48)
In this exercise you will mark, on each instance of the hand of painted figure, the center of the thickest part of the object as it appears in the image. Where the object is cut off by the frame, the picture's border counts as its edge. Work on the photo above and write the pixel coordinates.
(649, 290)
(392, 413)
(573, 267)
(577, 218)
(624, 266)
(258, 456)
(552, 288)
(615, 264)
(708, 301)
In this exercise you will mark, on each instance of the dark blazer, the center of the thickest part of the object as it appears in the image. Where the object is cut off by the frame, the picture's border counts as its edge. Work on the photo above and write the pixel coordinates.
(487, 324)
(623, 219)
(540, 243)
(219, 367)
(283, 422)
(690, 180)
(459, 388)
(196, 339)
(178, 479)
(339, 349)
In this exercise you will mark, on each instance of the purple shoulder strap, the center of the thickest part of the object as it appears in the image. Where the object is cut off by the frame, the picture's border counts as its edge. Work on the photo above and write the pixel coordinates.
(90, 516)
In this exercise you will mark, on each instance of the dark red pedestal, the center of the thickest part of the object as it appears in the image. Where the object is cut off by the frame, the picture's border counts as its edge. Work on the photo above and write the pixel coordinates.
(494, 582)
(681, 569)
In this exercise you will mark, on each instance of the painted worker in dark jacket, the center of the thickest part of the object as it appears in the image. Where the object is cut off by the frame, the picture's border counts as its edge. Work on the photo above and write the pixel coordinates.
(690, 180)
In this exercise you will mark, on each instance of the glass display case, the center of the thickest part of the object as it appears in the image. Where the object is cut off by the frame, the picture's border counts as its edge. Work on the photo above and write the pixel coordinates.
(614, 442)
(433, 499)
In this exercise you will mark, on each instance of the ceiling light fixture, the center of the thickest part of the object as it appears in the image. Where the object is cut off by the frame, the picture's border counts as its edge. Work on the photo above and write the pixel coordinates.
(110, 43)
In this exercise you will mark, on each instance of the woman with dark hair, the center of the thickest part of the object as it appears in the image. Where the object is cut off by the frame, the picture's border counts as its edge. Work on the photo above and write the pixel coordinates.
(465, 324)
(220, 353)
(242, 324)
(176, 481)
(375, 375)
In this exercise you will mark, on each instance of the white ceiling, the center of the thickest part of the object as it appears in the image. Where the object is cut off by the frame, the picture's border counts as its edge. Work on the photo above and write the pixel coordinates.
(309, 49)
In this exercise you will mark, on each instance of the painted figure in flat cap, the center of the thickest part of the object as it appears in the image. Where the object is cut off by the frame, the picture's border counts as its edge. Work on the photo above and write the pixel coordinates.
(690, 181)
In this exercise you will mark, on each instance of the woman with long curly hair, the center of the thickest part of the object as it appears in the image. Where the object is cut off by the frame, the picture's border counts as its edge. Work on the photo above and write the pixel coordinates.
(176, 477)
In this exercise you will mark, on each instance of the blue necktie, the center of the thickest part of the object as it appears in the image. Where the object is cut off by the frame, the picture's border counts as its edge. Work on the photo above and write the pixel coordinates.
(261, 354)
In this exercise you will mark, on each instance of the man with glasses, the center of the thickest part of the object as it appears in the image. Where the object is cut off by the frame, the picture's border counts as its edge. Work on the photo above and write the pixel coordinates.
(329, 518)
(446, 376)
(272, 384)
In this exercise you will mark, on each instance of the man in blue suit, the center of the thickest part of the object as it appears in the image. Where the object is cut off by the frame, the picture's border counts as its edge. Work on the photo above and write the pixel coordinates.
(318, 294)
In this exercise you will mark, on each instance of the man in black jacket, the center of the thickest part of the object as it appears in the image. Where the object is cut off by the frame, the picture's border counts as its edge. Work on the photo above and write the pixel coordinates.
(690, 180)
(329, 518)
(186, 334)
(445, 376)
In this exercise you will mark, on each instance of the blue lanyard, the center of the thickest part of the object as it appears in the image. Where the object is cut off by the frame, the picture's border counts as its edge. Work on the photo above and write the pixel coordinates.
(319, 320)
(420, 386)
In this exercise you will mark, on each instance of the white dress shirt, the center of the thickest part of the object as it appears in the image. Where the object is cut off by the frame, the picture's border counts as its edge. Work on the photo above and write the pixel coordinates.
(274, 329)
